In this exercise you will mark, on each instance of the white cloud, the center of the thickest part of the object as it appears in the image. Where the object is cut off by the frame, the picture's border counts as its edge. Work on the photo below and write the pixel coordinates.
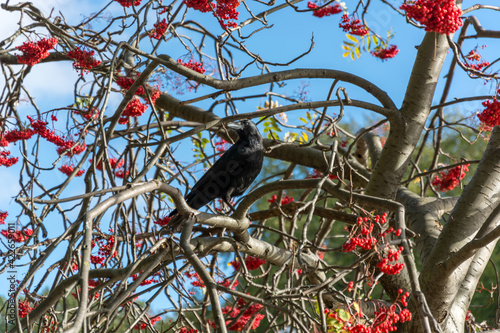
(51, 80)
(73, 14)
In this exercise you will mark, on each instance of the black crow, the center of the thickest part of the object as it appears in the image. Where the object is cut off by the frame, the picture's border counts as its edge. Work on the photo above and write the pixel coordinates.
(232, 173)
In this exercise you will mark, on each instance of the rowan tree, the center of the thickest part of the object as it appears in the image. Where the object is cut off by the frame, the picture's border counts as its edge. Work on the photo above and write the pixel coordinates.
(367, 217)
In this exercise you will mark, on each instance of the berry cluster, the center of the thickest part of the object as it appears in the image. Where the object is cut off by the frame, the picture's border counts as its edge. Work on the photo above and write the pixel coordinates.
(198, 281)
(159, 30)
(389, 268)
(68, 169)
(151, 321)
(490, 116)
(203, 6)
(253, 262)
(319, 174)
(438, 16)
(114, 164)
(355, 27)
(17, 236)
(325, 11)
(479, 64)
(89, 114)
(146, 281)
(285, 200)
(386, 53)
(3, 216)
(68, 147)
(97, 260)
(386, 318)
(92, 285)
(10, 137)
(74, 267)
(24, 308)
(34, 52)
(227, 283)
(163, 222)
(187, 330)
(221, 205)
(362, 236)
(221, 146)
(321, 254)
(105, 247)
(404, 297)
(121, 173)
(235, 263)
(249, 319)
(447, 181)
(7, 161)
(17, 135)
(84, 60)
(224, 10)
(125, 83)
(128, 3)
(194, 65)
(134, 108)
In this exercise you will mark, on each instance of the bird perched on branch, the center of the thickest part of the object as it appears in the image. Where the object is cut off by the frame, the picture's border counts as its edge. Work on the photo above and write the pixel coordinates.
(232, 173)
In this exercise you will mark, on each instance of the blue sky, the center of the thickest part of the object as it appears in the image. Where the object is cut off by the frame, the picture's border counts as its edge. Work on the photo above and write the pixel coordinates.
(52, 84)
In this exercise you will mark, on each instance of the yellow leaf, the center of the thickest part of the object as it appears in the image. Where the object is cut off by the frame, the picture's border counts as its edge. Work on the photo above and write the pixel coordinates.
(418, 178)
(346, 47)
(354, 39)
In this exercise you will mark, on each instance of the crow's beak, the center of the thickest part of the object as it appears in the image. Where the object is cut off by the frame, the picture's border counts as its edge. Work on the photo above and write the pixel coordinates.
(235, 126)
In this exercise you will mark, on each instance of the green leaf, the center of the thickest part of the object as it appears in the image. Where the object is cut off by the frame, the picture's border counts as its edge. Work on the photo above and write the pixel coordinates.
(344, 315)
(338, 325)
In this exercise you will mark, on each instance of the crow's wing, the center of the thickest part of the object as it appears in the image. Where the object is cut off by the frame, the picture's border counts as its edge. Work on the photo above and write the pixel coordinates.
(217, 180)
